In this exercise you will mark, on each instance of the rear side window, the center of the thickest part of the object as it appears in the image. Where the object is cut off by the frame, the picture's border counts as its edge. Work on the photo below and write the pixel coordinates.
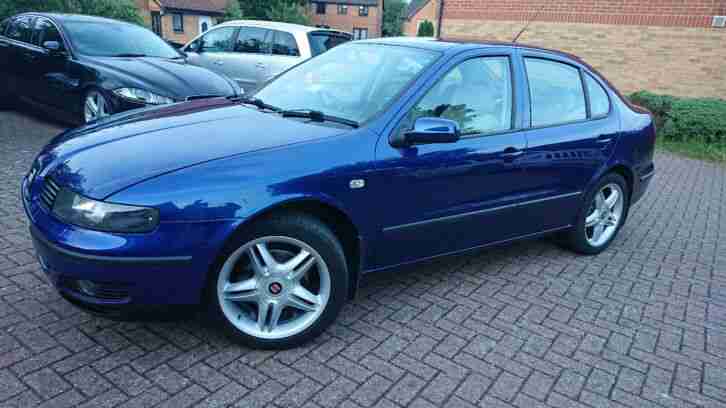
(20, 30)
(285, 44)
(599, 102)
(253, 40)
(219, 40)
(321, 41)
(556, 94)
(47, 31)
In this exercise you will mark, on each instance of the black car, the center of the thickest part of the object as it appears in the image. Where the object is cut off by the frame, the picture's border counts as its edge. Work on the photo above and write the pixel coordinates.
(81, 68)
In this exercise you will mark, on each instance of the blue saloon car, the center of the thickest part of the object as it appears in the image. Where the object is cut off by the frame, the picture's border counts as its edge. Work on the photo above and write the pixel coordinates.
(268, 209)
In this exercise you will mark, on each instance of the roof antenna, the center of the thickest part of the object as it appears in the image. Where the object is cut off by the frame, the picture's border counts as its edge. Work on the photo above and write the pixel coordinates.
(526, 26)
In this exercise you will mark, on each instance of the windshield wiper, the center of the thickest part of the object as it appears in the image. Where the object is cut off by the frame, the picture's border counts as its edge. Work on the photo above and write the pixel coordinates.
(317, 116)
(128, 55)
(248, 100)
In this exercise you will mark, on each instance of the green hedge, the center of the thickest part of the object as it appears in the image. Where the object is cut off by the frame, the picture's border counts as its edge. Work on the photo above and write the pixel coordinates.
(693, 120)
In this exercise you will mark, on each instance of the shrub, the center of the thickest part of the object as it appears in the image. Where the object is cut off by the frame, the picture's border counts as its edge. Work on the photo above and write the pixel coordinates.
(698, 120)
(425, 29)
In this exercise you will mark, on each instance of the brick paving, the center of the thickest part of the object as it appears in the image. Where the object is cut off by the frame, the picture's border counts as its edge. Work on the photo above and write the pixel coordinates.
(528, 325)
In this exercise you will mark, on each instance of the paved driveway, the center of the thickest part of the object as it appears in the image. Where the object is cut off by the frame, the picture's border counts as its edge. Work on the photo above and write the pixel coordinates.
(529, 325)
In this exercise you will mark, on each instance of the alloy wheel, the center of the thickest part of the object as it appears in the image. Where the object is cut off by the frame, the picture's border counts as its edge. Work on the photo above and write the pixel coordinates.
(95, 107)
(603, 219)
(273, 287)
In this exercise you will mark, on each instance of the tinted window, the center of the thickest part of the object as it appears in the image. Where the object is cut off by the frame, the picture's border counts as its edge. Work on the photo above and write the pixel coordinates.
(20, 29)
(285, 44)
(321, 41)
(556, 92)
(477, 95)
(103, 39)
(353, 81)
(363, 11)
(252, 40)
(218, 40)
(3, 25)
(178, 22)
(47, 31)
(599, 102)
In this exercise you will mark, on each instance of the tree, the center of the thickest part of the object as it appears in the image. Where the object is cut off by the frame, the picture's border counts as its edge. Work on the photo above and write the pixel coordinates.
(118, 9)
(232, 12)
(393, 15)
(425, 29)
(289, 11)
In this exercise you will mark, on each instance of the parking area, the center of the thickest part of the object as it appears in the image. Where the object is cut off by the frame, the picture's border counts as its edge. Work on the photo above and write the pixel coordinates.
(525, 325)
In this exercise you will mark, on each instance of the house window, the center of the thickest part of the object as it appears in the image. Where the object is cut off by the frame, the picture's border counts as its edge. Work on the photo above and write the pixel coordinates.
(156, 22)
(363, 11)
(178, 22)
(360, 33)
(320, 8)
(342, 9)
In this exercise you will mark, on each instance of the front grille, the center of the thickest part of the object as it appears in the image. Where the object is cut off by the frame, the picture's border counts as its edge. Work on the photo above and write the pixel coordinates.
(48, 194)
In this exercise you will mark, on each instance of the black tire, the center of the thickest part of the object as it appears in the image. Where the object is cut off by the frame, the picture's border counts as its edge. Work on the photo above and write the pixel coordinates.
(575, 239)
(312, 232)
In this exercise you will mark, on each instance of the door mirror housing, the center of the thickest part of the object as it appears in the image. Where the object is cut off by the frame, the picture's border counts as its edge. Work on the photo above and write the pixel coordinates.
(428, 130)
(193, 47)
(54, 48)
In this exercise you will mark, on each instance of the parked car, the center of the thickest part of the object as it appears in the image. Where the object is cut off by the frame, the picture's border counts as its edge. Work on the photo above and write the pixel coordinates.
(253, 52)
(376, 154)
(82, 68)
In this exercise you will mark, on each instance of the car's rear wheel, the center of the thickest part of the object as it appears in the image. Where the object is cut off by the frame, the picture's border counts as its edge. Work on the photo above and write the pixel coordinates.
(95, 106)
(281, 284)
(604, 211)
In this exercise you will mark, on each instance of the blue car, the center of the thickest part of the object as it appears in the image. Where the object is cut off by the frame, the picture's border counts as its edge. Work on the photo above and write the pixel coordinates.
(268, 209)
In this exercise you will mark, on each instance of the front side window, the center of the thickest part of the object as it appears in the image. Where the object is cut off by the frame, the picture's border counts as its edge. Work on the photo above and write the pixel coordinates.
(178, 22)
(363, 11)
(599, 101)
(285, 44)
(47, 31)
(219, 40)
(342, 9)
(20, 30)
(253, 40)
(320, 8)
(354, 81)
(102, 39)
(477, 95)
(555, 91)
(4, 25)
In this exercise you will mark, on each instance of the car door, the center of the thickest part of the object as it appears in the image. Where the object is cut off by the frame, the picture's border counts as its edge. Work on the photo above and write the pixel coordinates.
(285, 53)
(4, 58)
(573, 133)
(213, 50)
(19, 55)
(49, 85)
(251, 57)
(442, 198)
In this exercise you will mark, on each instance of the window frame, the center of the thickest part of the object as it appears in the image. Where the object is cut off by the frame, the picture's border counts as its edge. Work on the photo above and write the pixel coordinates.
(275, 34)
(363, 11)
(342, 9)
(581, 72)
(320, 8)
(513, 114)
(181, 22)
(37, 32)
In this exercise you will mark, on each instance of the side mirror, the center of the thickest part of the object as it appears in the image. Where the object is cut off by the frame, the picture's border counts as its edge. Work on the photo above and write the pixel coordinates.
(53, 47)
(193, 47)
(428, 131)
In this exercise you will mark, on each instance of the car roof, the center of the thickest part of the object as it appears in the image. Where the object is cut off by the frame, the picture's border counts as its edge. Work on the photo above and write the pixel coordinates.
(274, 25)
(62, 18)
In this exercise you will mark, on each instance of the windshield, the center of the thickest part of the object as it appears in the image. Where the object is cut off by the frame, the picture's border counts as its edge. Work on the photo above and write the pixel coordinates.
(103, 39)
(354, 81)
(321, 41)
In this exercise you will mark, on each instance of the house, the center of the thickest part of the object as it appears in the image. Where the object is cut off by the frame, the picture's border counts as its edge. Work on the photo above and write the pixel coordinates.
(362, 18)
(673, 47)
(419, 11)
(180, 21)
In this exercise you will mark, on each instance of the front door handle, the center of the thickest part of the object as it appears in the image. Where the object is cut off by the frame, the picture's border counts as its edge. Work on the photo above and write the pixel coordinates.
(604, 140)
(218, 62)
(511, 153)
(260, 65)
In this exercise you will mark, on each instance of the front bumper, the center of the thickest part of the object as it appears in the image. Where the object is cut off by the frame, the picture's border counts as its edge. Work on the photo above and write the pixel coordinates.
(107, 272)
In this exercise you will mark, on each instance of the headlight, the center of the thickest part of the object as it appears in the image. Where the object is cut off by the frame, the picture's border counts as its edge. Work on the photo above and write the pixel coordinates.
(98, 215)
(142, 96)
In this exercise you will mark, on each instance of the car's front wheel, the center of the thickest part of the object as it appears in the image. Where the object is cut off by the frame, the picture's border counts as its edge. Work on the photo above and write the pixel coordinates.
(604, 211)
(282, 283)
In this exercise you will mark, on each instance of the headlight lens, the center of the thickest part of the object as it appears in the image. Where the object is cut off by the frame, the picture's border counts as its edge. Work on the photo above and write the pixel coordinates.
(142, 96)
(98, 215)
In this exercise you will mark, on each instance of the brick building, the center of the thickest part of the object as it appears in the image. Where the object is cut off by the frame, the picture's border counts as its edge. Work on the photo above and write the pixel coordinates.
(419, 11)
(362, 18)
(666, 46)
(181, 20)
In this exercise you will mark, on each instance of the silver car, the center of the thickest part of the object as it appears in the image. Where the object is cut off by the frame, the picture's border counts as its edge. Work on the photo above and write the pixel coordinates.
(253, 52)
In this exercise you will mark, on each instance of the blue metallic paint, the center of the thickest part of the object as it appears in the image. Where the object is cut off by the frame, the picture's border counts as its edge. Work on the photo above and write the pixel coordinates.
(211, 166)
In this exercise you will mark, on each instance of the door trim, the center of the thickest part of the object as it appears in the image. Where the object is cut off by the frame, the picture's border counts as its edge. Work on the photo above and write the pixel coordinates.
(479, 212)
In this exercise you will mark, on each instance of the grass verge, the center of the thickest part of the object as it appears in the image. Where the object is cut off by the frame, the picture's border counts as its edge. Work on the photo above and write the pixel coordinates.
(694, 150)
